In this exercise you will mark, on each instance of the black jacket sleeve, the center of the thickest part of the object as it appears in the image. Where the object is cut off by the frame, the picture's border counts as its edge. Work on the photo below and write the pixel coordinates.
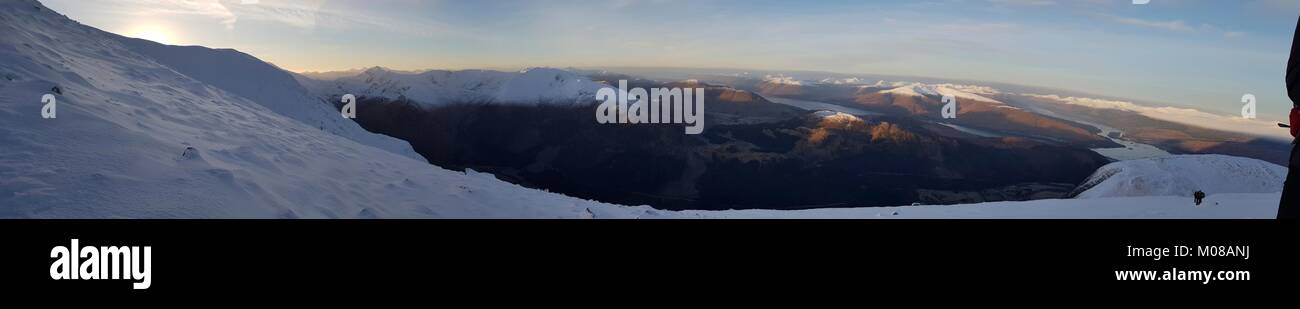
(1293, 69)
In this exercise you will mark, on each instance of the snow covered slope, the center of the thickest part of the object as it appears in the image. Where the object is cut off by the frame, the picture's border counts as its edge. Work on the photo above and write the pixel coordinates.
(136, 138)
(1183, 175)
(1218, 206)
(142, 135)
(532, 86)
(263, 83)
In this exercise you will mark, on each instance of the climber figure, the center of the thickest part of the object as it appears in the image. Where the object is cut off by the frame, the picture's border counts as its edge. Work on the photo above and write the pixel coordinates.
(1290, 203)
(1199, 196)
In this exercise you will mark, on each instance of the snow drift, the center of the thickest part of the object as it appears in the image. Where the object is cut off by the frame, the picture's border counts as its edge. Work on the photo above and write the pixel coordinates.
(1183, 175)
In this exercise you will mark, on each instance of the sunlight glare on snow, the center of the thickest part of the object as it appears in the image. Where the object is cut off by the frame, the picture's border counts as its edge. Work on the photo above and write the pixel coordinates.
(154, 33)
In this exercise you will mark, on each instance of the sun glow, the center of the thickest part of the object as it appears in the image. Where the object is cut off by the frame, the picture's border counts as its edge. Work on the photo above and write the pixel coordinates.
(153, 33)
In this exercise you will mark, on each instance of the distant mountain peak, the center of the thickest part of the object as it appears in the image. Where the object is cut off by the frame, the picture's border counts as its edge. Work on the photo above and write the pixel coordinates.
(439, 87)
(939, 90)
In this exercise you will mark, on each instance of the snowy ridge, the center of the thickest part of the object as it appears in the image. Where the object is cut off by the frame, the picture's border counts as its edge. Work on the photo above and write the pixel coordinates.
(135, 138)
(433, 88)
(846, 81)
(141, 135)
(263, 83)
(836, 116)
(782, 80)
(1182, 175)
(959, 91)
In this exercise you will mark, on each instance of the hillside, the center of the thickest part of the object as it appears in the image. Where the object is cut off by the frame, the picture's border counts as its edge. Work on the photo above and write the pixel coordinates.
(1183, 175)
(152, 131)
(141, 137)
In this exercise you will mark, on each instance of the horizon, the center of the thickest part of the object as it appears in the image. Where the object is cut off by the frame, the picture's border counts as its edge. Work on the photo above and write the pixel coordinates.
(1189, 53)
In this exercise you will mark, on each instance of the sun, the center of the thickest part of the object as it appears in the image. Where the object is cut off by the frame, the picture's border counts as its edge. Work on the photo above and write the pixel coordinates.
(153, 33)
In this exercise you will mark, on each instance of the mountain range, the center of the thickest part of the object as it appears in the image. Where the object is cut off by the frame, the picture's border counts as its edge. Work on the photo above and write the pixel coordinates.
(146, 130)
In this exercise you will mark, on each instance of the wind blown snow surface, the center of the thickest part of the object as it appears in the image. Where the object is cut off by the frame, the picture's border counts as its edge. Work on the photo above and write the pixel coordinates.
(153, 131)
(1182, 175)
(137, 138)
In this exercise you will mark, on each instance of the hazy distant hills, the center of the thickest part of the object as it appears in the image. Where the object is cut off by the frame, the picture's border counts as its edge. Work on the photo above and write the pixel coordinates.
(146, 130)
(754, 153)
(1017, 111)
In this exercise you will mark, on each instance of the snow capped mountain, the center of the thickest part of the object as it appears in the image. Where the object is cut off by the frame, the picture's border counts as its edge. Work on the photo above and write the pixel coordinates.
(959, 91)
(1183, 175)
(783, 80)
(846, 81)
(531, 86)
(836, 116)
(145, 130)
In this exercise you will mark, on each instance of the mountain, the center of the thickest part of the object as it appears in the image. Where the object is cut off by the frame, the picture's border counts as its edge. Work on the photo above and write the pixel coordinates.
(1183, 175)
(979, 109)
(1119, 129)
(1138, 129)
(263, 83)
(148, 131)
(145, 130)
(437, 87)
(957, 91)
(806, 161)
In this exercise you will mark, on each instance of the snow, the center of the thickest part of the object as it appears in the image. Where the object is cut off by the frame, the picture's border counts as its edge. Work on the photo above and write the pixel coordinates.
(1188, 116)
(969, 92)
(815, 106)
(1182, 175)
(273, 88)
(149, 131)
(1217, 206)
(976, 132)
(836, 116)
(844, 81)
(433, 88)
(782, 80)
(120, 145)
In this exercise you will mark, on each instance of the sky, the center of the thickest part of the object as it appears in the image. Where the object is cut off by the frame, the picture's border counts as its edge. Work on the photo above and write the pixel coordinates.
(1199, 53)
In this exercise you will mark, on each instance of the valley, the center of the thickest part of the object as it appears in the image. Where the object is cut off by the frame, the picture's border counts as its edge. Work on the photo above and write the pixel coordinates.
(768, 156)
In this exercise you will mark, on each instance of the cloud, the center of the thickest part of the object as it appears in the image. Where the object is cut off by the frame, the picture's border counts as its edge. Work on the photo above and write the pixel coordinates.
(1175, 26)
(1025, 2)
(1172, 25)
(302, 14)
(204, 9)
